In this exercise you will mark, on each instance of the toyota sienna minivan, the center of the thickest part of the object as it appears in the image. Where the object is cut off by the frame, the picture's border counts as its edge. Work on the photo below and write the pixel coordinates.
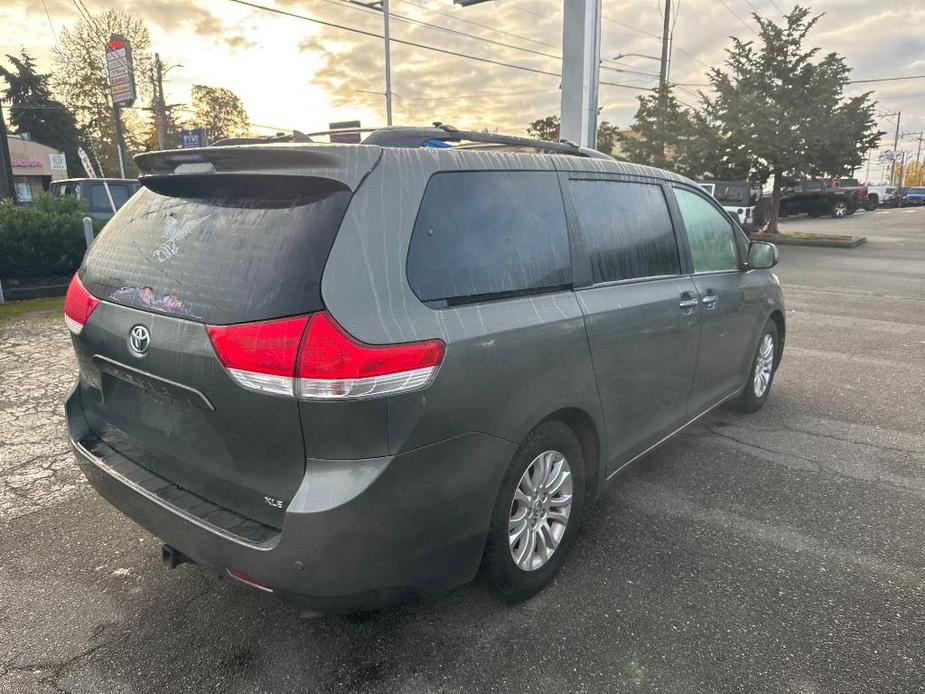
(349, 374)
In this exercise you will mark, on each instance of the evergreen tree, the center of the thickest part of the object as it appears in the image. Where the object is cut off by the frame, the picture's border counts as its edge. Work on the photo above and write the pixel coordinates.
(36, 112)
(785, 110)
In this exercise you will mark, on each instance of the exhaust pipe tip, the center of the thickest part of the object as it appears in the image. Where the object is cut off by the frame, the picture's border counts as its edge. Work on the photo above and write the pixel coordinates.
(173, 557)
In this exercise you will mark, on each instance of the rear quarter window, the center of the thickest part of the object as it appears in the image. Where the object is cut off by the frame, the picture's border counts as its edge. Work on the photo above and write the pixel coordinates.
(219, 249)
(483, 235)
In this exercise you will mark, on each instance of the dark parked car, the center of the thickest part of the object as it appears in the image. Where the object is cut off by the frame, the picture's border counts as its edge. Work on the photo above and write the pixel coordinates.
(914, 197)
(818, 198)
(93, 192)
(345, 374)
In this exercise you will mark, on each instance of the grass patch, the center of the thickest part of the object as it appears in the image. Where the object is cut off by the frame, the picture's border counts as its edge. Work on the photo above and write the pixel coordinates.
(13, 309)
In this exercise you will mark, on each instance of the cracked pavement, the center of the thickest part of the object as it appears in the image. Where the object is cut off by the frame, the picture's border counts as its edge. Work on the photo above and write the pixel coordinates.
(777, 552)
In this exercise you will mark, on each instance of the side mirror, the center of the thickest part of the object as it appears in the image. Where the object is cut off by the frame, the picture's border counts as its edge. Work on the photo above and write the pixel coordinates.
(762, 255)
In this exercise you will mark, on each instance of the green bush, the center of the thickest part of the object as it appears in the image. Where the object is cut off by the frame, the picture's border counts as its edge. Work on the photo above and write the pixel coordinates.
(43, 239)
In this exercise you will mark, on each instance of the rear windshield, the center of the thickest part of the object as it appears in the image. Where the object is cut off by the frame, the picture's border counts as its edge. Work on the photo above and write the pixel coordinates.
(736, 193)
(219, 249)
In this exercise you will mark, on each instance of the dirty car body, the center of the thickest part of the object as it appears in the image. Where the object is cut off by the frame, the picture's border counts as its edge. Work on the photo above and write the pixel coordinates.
(281, 379)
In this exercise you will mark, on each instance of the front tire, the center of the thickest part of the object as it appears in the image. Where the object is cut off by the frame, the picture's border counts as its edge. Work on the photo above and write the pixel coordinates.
(761, 375)
(537, 512)
(839, 209)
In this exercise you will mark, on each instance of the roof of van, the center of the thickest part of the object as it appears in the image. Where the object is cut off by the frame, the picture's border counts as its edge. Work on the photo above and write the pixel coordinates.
(349, 163)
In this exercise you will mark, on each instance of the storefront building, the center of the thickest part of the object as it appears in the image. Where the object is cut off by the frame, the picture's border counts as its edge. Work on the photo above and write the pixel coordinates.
(35, 166)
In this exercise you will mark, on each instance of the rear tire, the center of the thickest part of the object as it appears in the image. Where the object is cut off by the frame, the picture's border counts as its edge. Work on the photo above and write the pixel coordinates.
(518, 580)
(761, 375)
(839, 209)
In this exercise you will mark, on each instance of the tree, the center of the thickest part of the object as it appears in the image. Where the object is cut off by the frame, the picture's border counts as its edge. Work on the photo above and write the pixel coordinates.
(659, 131)
(80, 79)
(548, 129)
(36, 112)
(785, 110)
(667, 135)
(219, 110)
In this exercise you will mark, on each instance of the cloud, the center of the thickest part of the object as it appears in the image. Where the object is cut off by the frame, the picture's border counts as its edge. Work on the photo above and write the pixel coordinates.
(297, 73)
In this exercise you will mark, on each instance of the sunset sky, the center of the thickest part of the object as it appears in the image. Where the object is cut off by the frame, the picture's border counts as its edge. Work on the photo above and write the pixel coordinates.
(293, 73)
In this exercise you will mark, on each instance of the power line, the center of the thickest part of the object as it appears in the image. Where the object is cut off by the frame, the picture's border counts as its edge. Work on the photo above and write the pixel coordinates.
(479, 24)
(483, 95)
(779, 10)
(445, 51)
(50, 24)
(887, 79)
(736, 15)
(448, 30)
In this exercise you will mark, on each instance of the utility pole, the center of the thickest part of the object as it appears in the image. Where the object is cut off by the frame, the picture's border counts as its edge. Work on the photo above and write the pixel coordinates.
(899, 115)
(160, 110)
(388, 63)
(666, 40)
(7, 189)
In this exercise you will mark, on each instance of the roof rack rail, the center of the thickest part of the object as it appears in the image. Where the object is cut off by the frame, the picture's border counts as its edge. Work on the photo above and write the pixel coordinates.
(295, 136)
(414, 137)
(400, 136)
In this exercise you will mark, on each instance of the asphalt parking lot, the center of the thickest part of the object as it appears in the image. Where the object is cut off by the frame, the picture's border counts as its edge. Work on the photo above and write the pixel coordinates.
(777, 552)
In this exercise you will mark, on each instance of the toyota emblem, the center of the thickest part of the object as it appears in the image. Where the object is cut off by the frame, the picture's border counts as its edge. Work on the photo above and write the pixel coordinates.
(139, 339)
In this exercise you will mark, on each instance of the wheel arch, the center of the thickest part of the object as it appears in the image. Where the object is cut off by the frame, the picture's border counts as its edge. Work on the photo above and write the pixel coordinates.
(777, 315)
(589, 437)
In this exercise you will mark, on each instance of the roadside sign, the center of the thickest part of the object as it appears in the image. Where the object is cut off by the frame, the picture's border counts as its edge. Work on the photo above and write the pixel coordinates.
(57, 161)
(87, 164)
(351, 134)
(196, 137)
(119, 69)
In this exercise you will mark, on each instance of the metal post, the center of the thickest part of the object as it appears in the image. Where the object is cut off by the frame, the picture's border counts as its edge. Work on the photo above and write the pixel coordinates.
(160, 110)
(581, 58)
(88, 230)
(1, 293)
(388, 63)
(120, 140)
(899, 116)
(666, 38)
(7, 189)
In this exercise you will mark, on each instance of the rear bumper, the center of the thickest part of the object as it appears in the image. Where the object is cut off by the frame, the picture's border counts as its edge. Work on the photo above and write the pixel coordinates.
(357, 535)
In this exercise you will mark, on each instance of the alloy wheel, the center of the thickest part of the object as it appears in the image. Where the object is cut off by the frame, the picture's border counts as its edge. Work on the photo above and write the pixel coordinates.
(764, 365)
(540, 510)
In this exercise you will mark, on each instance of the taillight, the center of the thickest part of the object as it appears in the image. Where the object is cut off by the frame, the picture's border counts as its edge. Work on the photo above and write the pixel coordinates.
(333, 364)
(312, 357)
(260, 356)
(78, 305)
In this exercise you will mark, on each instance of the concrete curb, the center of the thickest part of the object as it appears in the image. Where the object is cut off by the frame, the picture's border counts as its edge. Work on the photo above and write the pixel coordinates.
(820, 240)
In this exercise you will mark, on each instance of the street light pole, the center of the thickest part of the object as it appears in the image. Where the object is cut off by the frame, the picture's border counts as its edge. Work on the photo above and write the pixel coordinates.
(388, 63)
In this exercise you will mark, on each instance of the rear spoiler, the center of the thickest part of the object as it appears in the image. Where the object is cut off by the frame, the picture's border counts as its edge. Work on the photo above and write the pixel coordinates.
(346, 164)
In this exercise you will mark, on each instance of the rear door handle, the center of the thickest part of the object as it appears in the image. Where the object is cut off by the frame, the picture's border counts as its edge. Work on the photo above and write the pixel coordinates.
(687, 305)
(709, 301)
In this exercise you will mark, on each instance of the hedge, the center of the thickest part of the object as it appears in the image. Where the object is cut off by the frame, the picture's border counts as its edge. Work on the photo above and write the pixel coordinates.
(43, 239)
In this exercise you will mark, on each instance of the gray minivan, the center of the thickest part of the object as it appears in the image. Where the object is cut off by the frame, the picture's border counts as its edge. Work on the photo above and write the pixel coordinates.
(347, 374)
